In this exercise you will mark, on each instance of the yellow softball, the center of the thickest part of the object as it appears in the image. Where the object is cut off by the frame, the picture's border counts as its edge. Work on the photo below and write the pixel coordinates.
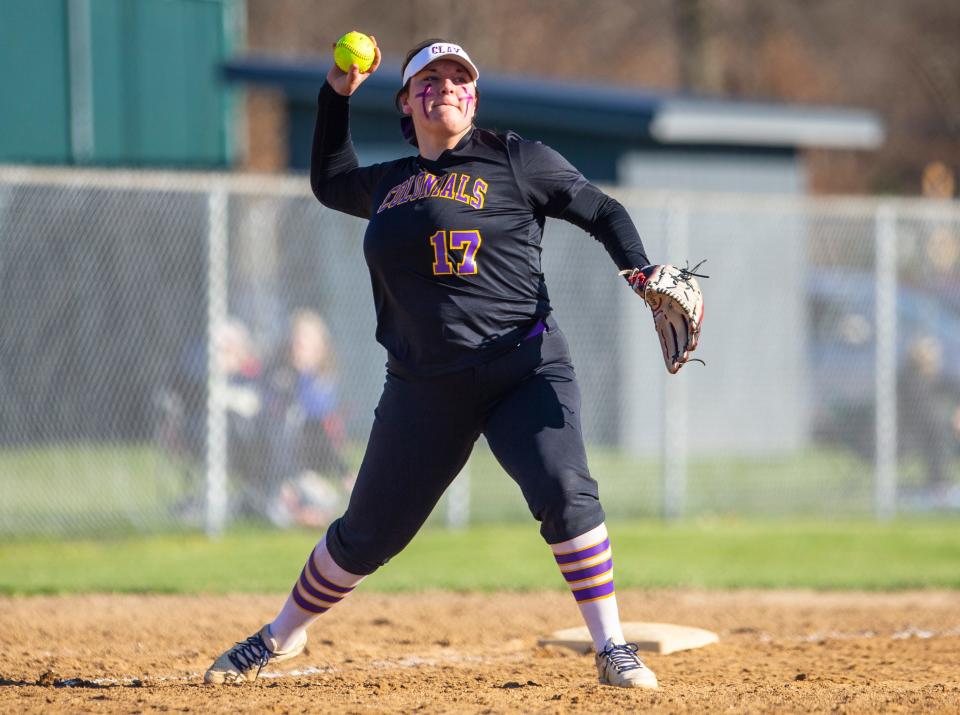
(354, 48)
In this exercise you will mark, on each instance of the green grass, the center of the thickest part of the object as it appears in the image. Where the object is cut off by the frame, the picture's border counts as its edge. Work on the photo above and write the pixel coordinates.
(122, 491)
(701, 554)
(112, 489)
(88, 488)
(805, 482)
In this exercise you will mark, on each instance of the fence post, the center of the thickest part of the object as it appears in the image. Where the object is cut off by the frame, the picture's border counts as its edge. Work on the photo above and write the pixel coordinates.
(674, 443)
(81, 80)
(216, 452)
(885, 454)
(458, 500)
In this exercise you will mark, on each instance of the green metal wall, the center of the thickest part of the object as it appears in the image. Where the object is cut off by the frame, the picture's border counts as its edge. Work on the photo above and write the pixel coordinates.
(34, 108)
(132, 82)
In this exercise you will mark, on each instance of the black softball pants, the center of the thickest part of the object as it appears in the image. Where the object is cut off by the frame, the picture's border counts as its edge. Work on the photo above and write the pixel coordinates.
(527, 405)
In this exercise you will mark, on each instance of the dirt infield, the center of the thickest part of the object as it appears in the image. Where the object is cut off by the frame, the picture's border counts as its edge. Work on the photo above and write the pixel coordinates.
(477, 653)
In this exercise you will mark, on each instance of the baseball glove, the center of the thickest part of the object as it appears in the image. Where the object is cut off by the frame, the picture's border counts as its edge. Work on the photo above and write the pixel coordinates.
(674, 296)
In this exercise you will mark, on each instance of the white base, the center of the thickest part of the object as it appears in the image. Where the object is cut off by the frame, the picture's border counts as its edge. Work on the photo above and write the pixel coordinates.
(652, 637)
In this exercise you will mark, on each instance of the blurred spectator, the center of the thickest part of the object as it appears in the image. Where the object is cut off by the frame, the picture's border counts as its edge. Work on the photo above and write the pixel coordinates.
(939, 181)
(182, 421)
(302, 389)
(929, 416)
(238, 358)
(312, 356)
(285, 432)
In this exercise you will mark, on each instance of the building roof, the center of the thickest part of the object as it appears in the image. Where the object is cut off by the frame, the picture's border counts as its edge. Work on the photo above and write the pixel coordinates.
(591, 109)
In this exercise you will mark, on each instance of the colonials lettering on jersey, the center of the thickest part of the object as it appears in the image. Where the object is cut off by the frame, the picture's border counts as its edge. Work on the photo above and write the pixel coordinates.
(454, 186)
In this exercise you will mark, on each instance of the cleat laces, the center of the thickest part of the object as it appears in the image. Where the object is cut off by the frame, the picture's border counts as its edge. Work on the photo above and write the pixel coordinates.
(251, 652)
(624, 657)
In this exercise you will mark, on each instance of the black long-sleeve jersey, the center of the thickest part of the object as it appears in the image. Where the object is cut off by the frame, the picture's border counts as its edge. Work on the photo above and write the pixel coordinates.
(453, 245)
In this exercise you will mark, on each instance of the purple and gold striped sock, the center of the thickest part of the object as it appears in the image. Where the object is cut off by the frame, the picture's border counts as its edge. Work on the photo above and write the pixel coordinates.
(588, 571)
(314, 592)
(322, 585)
(586, 562)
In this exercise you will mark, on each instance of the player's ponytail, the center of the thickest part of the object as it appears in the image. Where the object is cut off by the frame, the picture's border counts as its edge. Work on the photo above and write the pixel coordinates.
(409, 133)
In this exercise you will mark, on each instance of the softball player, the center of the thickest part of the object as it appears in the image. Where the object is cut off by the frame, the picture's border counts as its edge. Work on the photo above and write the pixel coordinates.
(453, 249)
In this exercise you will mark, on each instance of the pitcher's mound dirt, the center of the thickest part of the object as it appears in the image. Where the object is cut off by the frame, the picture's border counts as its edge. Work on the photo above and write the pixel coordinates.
(477, 653)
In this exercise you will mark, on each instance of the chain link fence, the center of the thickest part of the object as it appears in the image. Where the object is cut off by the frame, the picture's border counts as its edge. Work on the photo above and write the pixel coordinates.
(194, 351)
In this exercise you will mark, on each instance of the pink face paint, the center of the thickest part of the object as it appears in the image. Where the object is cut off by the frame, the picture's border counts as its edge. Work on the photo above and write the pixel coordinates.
(466, 97)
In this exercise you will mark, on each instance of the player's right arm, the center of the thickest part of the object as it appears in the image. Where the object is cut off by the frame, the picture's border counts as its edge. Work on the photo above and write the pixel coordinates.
(346, 83)
(336, 177)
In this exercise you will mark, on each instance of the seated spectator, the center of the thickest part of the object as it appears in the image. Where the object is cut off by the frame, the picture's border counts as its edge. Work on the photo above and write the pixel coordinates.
(928, 416)
(303, 395)
(181, 429)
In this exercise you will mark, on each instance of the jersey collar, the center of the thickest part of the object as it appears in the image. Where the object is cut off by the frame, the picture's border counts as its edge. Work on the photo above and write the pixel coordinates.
(449, 153)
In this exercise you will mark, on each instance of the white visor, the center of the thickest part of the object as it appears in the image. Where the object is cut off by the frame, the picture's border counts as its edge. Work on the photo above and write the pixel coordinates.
(439, 51)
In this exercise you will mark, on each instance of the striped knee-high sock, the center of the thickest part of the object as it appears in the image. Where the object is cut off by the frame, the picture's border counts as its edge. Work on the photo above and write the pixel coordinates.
(322, 584)
(586, 562)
